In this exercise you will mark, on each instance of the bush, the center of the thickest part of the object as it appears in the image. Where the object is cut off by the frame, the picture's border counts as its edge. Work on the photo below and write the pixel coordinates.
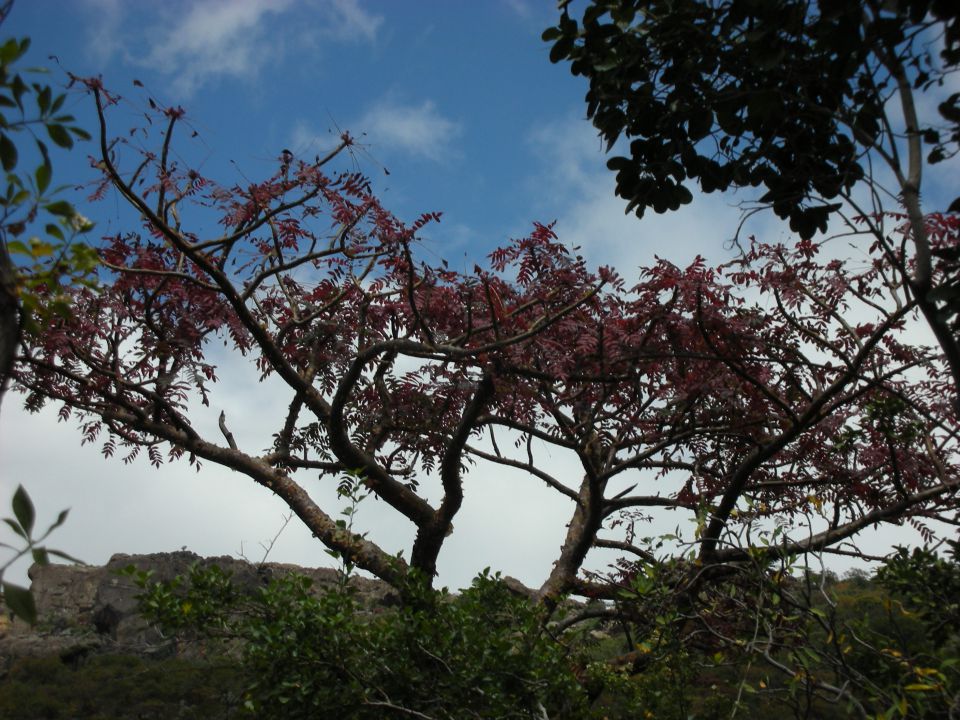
(308, 654)
(120, 687)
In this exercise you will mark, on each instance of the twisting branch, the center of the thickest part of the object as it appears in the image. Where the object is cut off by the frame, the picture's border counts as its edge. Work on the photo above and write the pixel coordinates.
(226, 433)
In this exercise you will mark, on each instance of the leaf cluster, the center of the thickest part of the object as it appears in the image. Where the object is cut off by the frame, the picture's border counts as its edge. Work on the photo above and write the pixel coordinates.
(788, 640)
(19, 600)
(120, 687)
(785, 95)
(309, 653)
(43, 265)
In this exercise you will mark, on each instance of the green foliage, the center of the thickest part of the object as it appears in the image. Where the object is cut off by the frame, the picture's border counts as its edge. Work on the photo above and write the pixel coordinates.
(310, 653)
(927, 585)
(892, 638)
(922, 645)
(788, 642)
(34, 271)
(119, 687)
(674, 681)
(783, 94)
(19, 600)
(291, 650)
(42, 266)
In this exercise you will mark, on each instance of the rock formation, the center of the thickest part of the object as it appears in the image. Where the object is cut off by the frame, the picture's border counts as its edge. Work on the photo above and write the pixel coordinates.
(84, 609)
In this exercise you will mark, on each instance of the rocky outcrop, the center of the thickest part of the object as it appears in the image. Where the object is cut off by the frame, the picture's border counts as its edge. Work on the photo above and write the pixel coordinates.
(83, 609)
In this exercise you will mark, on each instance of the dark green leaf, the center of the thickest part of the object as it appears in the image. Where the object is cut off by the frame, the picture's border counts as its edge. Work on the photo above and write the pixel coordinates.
(59, 135)
(43, 100)
(15, 526)
(64, 556)
(561, 49)
(43, 174)
(23, 509)
(61, 207)
(618, 163)
(55, 231)
(8, 153)
(61, 518)
(950, 108)
(19, 88)
(700, 124)
(42, 147)
(40, 556)
(9, 51)
(20, 602)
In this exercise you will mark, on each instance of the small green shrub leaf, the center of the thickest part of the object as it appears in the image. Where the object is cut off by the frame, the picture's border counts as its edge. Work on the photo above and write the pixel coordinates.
(23, 509)
(20, 602)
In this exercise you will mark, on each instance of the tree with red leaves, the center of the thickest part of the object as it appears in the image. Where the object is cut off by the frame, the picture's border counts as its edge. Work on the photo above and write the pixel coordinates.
(783, 389)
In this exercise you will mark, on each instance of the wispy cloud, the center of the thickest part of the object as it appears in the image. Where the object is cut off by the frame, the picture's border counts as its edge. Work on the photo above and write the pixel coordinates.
(575, 187)
(104, 37)
(350, 21)
(305, 139)
(417, 130)
(519, 7)
(215, 38)
(206, 40)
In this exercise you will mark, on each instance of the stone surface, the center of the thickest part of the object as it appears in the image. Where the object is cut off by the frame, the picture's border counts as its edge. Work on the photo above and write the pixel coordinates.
(83, 609)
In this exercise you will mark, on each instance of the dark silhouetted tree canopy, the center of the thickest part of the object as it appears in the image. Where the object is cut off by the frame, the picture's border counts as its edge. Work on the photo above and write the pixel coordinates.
(784, 95)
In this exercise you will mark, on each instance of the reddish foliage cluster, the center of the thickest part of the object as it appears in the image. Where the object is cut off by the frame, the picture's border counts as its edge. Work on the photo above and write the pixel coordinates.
(780, 386)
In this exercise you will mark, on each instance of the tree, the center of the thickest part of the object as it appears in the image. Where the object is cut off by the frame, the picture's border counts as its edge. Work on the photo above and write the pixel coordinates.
(745, 397)
(816, 103)
(820, 106)
(54, 260)
(35, 267)
(712, 402)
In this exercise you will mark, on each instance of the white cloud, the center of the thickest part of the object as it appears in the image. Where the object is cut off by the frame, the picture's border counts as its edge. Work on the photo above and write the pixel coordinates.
(417, 130)
(215, 38)
(573, 181)
(349, 21)
(105, 34)
(519, 7)
(205, 40)
(306, 141)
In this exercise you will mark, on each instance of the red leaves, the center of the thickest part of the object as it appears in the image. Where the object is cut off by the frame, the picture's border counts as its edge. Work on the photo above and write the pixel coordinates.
(769, 380)
(496, 303)
(425, 219)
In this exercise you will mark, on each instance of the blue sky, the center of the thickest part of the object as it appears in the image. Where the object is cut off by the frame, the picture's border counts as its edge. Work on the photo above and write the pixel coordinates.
(449, 97)
(458, 101)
